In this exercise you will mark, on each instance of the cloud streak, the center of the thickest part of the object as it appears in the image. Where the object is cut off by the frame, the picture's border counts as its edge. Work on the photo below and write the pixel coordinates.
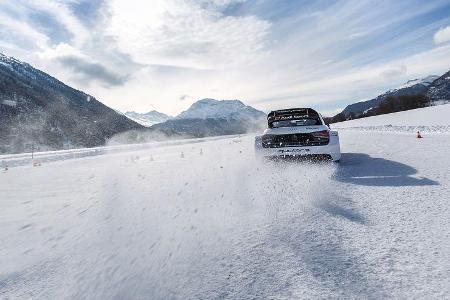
(442, 36)
(85, 71)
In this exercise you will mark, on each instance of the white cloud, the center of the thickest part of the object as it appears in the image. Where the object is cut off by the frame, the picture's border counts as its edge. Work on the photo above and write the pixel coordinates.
(218, 3)
(363, 82)
(331, 112)
(185, 33)
(83, 68)
(16, 31)
(442, 35)
(394, 72)
(61, 50)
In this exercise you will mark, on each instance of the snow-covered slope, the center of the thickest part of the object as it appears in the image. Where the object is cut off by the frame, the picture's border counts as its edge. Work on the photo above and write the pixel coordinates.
(439, 90)
(148, 119)
(428, 119)
(220, 109)
(424, 81)
(38, 110)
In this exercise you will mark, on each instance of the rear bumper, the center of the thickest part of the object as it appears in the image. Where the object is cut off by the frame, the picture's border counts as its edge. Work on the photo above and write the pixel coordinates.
(332, 149)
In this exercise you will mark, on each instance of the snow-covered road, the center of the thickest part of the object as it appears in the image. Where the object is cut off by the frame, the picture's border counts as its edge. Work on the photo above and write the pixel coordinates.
(205, 221)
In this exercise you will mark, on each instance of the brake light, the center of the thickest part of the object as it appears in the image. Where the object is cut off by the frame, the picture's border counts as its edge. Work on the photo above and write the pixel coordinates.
(321, 134)
(266, 139)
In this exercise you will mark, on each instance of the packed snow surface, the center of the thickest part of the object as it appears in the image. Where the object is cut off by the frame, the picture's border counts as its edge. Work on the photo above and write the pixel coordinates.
(428, 119)
(204, 220)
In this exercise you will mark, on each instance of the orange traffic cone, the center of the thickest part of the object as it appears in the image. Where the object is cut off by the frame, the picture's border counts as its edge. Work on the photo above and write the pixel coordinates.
(418, 135)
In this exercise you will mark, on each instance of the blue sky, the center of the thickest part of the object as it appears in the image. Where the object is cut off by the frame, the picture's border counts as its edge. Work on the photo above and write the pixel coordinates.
(166, 54)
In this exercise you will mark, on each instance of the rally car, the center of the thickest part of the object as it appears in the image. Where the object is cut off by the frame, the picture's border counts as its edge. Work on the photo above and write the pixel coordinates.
(298, 133)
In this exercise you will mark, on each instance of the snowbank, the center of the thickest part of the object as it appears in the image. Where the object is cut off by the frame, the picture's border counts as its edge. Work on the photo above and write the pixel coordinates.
(23, 159)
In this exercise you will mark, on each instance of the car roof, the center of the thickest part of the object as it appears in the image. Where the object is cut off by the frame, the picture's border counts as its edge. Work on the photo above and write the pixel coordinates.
(291, 114)
(301, 112)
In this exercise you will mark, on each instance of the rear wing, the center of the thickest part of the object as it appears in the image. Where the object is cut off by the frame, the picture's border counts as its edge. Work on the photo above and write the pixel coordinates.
(291, 114)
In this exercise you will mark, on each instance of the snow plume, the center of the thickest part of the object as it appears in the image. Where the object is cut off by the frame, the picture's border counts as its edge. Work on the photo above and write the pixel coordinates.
(160, 222)
(140, 137)
(194, 215)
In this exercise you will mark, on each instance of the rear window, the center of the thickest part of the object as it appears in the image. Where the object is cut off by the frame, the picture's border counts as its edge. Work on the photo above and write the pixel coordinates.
(296, 122)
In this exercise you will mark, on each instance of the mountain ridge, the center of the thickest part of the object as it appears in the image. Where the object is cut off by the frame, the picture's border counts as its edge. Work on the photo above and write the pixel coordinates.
(149, 118)
(419, 86)
(220, 109)
(439, 90)
(41, 112)
(210, 117)
(430, 90)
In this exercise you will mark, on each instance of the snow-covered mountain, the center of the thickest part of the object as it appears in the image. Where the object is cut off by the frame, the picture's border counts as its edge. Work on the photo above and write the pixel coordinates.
(220, 109)
(37, 110)
(209, 117)
(148, 119)
(423, 81)
(439, 91)
(412, 87)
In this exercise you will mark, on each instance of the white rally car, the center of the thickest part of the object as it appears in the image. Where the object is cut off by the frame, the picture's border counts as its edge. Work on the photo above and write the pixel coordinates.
(298, 132)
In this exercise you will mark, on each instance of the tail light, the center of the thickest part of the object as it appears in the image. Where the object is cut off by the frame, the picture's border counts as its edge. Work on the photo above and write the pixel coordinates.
(266, 140)
(324, 134)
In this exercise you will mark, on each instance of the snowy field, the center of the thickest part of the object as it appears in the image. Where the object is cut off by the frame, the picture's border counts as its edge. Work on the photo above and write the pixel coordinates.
(204, 220)
(434, 119)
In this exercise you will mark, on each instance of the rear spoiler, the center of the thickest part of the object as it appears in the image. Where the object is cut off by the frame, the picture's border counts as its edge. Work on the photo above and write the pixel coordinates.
(291, 114)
